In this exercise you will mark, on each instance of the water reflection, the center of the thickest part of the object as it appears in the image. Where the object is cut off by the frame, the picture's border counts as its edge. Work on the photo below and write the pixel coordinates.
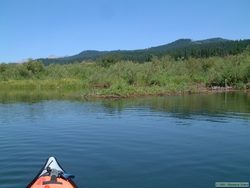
(173, 141)
(218, 104)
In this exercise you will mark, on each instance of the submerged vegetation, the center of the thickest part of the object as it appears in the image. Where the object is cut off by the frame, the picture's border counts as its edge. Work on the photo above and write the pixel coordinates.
(164, 75)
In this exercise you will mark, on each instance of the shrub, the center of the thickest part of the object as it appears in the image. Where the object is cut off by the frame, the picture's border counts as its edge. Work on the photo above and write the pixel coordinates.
(34, 67)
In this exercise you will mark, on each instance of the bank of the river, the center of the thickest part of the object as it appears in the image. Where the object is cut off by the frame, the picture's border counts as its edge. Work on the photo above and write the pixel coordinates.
(75, 89)
(165, 76)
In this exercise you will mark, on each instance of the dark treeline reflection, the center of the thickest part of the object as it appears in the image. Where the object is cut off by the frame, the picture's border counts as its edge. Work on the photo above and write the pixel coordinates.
(183, 106)
(214, 104)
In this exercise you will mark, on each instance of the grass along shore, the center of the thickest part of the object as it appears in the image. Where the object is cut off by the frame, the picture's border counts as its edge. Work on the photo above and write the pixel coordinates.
(125, 79)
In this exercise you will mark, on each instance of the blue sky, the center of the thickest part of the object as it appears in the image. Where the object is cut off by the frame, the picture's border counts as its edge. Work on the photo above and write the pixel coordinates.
(40, 28)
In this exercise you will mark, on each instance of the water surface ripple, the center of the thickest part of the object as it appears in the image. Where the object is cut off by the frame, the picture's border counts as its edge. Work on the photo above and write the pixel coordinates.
(182, 141)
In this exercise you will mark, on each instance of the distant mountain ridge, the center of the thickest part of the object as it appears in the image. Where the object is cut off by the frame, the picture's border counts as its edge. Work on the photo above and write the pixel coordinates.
(182, 48)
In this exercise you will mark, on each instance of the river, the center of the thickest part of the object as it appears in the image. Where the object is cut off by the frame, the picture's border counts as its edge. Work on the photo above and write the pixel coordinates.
(150, 142)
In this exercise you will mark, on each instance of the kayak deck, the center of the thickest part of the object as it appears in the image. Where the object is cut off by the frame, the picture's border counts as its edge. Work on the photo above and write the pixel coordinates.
(61, 183)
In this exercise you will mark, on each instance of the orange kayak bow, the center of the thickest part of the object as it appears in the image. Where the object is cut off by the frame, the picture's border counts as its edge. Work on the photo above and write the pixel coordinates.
(52, 175)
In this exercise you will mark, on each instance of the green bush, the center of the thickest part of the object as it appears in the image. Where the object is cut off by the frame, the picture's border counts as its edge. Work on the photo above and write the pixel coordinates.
(116, 76)
(34, 67)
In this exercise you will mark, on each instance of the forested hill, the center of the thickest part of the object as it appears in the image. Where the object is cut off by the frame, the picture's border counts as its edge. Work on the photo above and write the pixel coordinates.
(182, 48)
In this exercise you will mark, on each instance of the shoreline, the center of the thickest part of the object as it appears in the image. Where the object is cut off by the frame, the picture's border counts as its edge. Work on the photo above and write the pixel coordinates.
(42, 90)
(125, 79)
(208, 91)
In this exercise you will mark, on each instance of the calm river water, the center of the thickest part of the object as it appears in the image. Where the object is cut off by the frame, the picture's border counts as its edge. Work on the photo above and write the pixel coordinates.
(153, 142)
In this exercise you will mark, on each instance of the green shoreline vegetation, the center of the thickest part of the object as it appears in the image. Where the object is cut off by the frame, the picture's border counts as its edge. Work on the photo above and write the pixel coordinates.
(109, 78)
